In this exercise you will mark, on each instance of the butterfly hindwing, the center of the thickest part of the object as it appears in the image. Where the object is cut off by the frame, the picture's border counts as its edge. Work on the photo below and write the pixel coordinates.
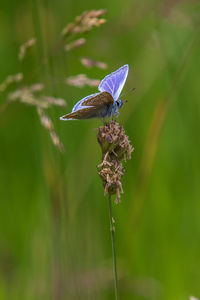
(81, 114)
(114, 82)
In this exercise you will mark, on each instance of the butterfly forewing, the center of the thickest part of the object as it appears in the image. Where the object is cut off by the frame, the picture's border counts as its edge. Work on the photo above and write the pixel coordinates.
(114, 82)
(79, 105)
(101, 99)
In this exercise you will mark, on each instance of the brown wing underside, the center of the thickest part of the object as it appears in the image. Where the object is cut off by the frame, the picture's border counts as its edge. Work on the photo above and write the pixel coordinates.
(96, 104)
(101, 99)
(81, 114)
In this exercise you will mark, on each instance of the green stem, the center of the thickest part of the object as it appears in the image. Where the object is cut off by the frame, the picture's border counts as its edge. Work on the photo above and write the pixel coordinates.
(112, 231)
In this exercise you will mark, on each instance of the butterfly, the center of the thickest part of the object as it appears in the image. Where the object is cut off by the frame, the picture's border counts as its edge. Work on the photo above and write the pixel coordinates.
(104, 104)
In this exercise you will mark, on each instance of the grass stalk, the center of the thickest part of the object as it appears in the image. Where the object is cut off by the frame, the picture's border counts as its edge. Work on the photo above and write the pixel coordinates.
(112, 233)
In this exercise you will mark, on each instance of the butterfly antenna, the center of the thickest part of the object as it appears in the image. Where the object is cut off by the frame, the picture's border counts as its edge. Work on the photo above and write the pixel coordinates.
(131, 90)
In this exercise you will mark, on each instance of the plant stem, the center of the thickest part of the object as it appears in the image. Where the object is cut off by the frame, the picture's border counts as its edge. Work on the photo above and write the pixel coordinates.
(112, 231)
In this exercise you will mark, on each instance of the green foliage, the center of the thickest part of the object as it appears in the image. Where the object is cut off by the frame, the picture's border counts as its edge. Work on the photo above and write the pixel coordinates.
(54, 236)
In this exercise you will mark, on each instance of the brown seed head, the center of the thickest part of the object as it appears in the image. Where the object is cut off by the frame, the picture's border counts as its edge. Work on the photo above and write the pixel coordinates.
(115, 147)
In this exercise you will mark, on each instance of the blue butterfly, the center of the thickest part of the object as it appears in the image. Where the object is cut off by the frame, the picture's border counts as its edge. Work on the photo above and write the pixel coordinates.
(103, 104)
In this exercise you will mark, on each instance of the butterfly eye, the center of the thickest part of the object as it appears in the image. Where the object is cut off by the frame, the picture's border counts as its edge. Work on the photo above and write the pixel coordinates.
(117, 103)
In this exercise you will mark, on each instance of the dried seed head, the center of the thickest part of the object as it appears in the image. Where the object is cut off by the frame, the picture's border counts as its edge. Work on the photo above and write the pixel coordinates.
(24, 47)
(37, 87)
(85, 22)
(10, 79)
(81, 80)
(31, 96)
(115, 147)
(54, 101)
(48, 125)
(75, 44)
(88, 63)
(45, 120)
(27, 94)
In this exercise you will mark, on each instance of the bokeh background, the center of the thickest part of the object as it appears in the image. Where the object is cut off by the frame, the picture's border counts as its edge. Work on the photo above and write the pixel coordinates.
(54, 222)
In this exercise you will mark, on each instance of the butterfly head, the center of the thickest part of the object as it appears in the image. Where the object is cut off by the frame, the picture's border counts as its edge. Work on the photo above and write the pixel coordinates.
(115, 107)
(119, 103)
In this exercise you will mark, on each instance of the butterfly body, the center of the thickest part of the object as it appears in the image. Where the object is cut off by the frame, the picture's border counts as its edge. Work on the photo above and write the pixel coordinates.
(103, 104)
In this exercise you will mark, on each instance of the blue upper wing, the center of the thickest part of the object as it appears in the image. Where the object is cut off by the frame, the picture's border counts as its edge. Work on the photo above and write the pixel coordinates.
(79, 105)
(114, 82)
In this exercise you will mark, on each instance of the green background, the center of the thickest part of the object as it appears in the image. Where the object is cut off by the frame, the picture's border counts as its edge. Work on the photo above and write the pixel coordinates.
(54, 223)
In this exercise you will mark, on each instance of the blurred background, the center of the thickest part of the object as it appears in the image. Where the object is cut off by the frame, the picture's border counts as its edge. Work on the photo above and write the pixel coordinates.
(54, 221)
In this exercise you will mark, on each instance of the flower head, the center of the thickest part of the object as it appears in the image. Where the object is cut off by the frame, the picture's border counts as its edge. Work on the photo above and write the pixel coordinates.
(115, 147)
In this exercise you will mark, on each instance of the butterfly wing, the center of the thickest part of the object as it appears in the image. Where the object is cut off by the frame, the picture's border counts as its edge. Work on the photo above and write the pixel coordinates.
(114, 82)
(79, 105)
(83, 114)
(92, 106)
(101, 99)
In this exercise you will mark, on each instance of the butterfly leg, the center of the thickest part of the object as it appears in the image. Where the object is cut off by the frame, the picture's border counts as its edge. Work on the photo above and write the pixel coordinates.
(115, 116)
